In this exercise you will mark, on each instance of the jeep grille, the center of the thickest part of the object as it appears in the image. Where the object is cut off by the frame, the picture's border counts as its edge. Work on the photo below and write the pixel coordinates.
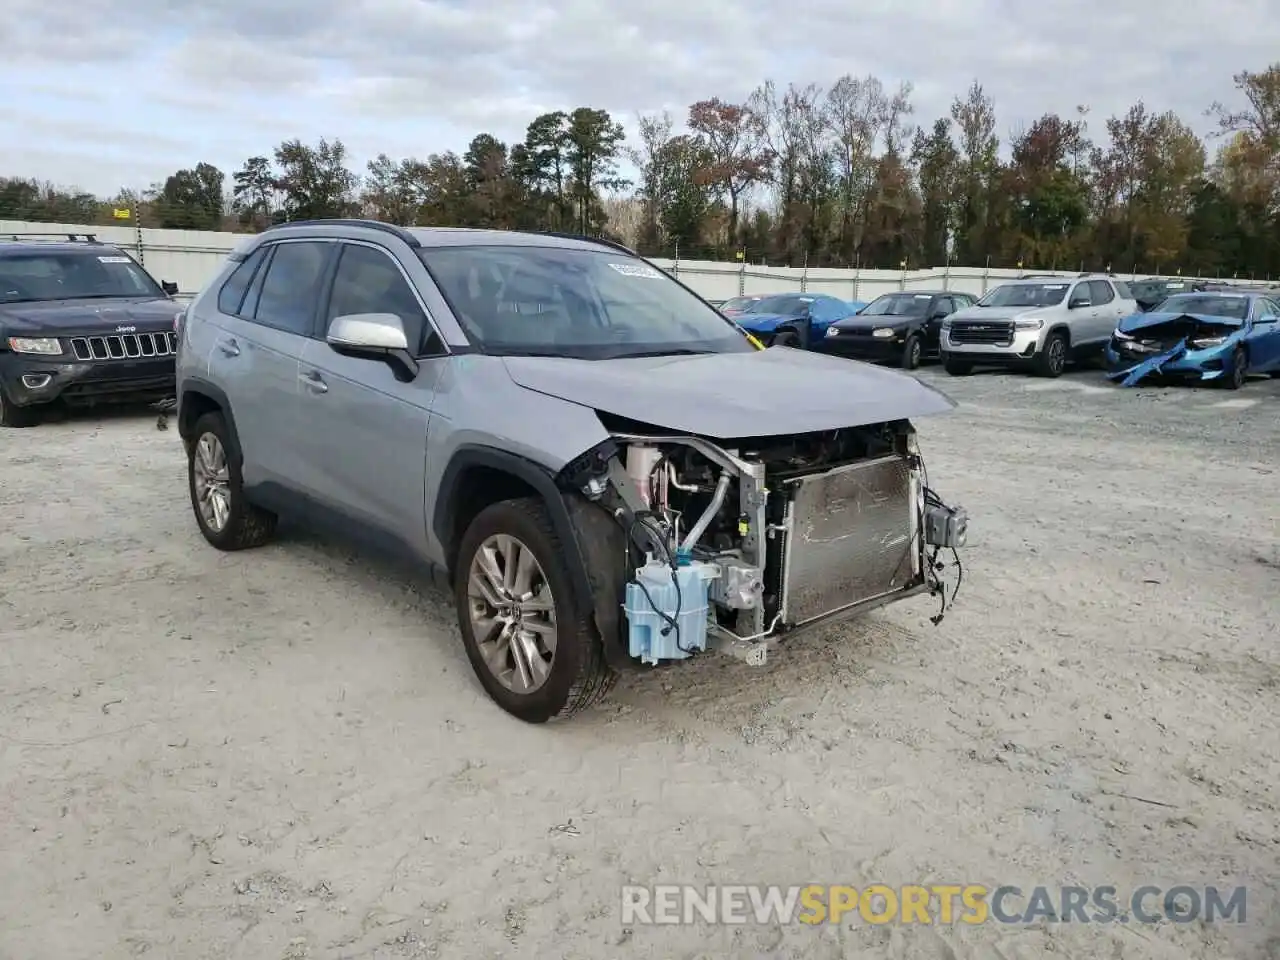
(124, 346)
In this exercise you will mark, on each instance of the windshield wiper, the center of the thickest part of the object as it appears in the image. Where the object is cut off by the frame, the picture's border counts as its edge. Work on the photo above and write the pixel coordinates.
(669, 352)
(102, 296)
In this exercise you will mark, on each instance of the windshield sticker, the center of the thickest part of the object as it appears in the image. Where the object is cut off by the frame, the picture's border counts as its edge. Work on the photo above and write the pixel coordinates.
(636, 270)
(806, 299)
(1055, 286)
(923, 296)
(113, 259)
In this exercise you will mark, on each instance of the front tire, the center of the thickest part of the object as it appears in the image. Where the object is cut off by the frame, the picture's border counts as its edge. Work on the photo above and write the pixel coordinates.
(1239, 372)
(1052, 360)
(912, 353)
(787, 338)
(535, 652)
(224, 515)
(17, 417)
(957, 368)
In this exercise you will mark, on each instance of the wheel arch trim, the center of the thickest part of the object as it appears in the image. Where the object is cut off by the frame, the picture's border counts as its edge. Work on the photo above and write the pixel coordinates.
(537, 477)
(197, 385)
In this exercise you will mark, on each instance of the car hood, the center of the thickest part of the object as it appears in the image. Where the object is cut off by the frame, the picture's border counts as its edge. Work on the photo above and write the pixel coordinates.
(1141, 321)
(761, 322)
(873, 323)
(725, 395)
(85, 316)
(978, 314)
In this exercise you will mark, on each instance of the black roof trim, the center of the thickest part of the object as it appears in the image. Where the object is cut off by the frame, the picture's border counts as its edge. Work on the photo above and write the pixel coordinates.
(62, 236)
(390, 228)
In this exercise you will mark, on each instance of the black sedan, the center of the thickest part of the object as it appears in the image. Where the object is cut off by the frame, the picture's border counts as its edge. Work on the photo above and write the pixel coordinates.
(900, 328)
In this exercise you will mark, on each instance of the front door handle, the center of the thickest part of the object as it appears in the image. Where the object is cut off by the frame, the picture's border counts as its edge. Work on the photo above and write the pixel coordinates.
(229, 348)
(313, 382)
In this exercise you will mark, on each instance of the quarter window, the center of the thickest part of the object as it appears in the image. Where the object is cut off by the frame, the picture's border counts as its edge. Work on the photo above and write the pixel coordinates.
(291, 289)
(231, 296)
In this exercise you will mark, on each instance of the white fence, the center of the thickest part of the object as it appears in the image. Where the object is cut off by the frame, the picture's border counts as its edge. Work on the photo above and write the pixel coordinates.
(191, 257)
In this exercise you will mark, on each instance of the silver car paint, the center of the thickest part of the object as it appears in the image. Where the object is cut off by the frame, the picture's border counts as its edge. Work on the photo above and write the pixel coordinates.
(724, 395)
(1087, 326)
(376, 448)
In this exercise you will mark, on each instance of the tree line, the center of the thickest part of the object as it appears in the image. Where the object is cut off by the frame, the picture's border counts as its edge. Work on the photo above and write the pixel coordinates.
(835, 176)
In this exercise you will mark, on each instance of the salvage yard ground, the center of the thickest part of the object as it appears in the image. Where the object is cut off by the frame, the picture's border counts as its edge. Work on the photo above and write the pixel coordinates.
(284, 754)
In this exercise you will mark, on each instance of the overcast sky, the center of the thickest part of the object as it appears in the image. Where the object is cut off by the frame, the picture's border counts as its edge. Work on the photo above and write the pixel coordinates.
(111, 93)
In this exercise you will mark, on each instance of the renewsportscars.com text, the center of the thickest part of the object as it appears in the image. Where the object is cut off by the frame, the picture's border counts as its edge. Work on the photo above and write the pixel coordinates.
(929, 904)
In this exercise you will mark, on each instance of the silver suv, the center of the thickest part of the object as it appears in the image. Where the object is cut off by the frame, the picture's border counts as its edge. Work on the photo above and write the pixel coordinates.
(604, 471)
(1037, 323)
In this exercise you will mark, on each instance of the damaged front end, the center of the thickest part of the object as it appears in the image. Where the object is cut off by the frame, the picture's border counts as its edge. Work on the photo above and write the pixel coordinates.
(1185, 347)
(732, 545)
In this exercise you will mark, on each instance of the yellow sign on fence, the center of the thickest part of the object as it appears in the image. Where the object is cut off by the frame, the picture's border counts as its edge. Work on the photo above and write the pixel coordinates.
(121, 213)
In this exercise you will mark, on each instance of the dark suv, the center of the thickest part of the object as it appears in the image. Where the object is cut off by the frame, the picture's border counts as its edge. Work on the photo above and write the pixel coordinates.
(81, 322)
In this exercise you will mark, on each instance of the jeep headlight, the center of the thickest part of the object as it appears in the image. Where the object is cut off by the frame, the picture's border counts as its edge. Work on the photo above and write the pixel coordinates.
(884, 333)
(49, 346)
(1029, 323)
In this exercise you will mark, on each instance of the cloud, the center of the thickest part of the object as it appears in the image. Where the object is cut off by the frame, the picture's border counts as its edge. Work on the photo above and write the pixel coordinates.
(98, 90)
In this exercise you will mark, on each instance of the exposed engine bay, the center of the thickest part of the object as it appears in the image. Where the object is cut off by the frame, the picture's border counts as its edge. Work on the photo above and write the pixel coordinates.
(733, 544)
(1196, 332)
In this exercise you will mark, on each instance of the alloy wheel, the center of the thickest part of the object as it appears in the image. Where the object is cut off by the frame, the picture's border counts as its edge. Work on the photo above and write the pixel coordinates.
(211, 477)
(513, 613)
(1057, 355)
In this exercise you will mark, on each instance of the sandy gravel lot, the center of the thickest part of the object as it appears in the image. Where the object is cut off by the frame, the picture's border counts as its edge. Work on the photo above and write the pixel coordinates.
(283, 754)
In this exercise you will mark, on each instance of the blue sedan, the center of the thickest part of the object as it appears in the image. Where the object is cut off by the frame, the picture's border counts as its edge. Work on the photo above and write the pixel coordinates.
(791, 319)
(1199, 337)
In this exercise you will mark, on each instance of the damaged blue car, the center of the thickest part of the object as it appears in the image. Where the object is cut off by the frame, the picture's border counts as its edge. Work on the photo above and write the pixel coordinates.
(1203, 337)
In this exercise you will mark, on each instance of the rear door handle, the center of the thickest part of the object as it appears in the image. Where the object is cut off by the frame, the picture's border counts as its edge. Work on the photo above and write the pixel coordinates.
(313, 382)
(229, 348)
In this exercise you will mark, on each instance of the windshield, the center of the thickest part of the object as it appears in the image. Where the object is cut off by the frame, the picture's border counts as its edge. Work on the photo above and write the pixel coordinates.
(589, 304)
(1025, 295)
(787, 305)
(898, 305)
(1234, 308)
(58, 275)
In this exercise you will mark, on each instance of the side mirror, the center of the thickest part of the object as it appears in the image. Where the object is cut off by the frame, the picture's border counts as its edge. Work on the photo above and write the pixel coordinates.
(938, 315)
(169, 287)
(374, 336)
(1078, 302)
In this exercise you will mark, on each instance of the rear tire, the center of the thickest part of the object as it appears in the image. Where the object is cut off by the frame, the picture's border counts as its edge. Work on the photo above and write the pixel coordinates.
(1052, 360)
(17, 417)
(213, 477)
(576, 675)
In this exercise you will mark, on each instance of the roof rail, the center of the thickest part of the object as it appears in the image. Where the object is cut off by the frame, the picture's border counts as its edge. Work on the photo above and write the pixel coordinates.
(602, 241)
(62, 237)
(390, 228)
